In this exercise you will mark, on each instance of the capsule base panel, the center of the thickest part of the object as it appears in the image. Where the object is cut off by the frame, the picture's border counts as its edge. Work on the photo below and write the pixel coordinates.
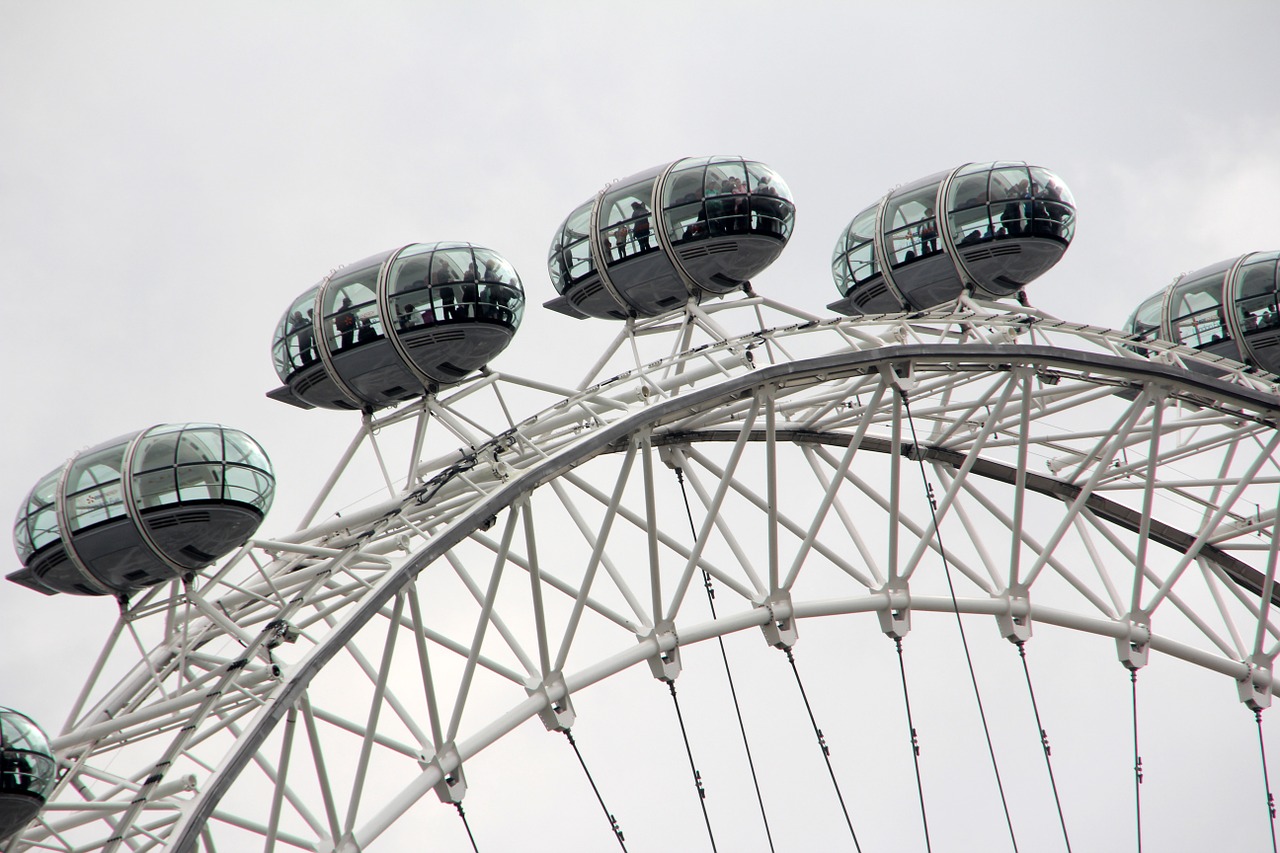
(448, 352)
(16, 810)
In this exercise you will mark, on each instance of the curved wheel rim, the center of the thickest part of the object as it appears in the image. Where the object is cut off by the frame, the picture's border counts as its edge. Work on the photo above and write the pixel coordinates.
(969, 398)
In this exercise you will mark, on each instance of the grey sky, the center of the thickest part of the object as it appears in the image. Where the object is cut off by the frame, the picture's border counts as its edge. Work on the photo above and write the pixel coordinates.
(173, 175)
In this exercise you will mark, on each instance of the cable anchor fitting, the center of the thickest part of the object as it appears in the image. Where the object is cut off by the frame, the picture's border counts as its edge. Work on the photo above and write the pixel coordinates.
(1133, 648)
(665, 665)
(1255, 687)
(780, 630)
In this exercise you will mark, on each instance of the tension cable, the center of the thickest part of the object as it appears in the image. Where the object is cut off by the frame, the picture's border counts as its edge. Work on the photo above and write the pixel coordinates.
(1137, 761)
(613, 821)
(826, 751)
(728, 674)
(1044, 742)
(697, 777)
(1266, 779)
(955, 607)
(462, 814)
(915, 743)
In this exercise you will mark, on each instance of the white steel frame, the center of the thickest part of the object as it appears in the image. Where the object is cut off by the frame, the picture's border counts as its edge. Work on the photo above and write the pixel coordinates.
(1159, 465)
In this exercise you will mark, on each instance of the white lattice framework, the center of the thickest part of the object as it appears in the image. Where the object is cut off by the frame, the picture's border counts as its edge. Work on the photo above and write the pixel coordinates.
(312, 689)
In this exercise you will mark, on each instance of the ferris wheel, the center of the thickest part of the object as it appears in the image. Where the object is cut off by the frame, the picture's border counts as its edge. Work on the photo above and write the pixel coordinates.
(493, 548)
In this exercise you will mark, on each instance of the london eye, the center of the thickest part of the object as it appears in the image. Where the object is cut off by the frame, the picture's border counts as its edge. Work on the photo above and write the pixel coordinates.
(936, 478)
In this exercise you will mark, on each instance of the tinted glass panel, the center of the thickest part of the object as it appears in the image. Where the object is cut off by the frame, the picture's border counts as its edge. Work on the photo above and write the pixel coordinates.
(570, 258)
(295, 338)
(763, 180)
(1256, 304)
(1196, 311)
(37, 525)
(1145, 322)
(93, 492)
(625, 220)
(351, 300)
(728, 209)
(911, 225)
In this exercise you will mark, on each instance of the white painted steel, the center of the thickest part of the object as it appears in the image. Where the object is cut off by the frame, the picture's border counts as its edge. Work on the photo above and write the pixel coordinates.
(1095, 471)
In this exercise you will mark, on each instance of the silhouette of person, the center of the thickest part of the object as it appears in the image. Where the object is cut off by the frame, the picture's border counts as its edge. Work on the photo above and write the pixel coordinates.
(641, 228)
(346, 324)
(304, 338)
(928, 233)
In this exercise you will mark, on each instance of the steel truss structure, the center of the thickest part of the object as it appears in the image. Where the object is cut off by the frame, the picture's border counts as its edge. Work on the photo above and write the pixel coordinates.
(313, 689)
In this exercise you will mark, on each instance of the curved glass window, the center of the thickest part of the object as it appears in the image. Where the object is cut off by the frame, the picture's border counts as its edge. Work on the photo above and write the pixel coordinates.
(295, 346)
(967, 203)
(1011, 212)
(570, 259)
(409, 287)
(453, 284)
(1144, 324)
(911, 224)
(772, 205)
(26, 760)
(684, 215)
(855, 259)
(351, 313)
(200, 462)
(725, 189)
(37, 522)
(93, 491)
(711, 196)
(998, 200)
(625, 221)
(500, 297)
(1196, 310)
(442, 282)
(1256, 287)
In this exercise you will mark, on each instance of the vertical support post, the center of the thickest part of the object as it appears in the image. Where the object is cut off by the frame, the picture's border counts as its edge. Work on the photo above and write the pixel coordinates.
(771, 463)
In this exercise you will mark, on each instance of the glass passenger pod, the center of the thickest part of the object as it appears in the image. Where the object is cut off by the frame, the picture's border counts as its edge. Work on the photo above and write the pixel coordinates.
(696, 227)
(726, 219)
(194, 493)
(1005, 224)
(28, 770)
(1008, 223)
(1255, 281)
(396, 325)
(455, 307)
(1227, 309)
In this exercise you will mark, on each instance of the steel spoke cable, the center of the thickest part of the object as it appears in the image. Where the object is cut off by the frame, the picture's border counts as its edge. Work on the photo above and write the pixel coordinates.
(826, 751)
(1266, 779)
(697, 777)
(613, 821)
(955, 608)
(467, 825)
(728, 674)
(1044, 742)
(1137, 761)
(915, 743)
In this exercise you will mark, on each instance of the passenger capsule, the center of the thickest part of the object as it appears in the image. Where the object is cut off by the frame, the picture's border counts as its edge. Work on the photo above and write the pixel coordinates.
(1005, 225)
(1228, 309)
(27, 771)
(141, 509)
(395, 326)
(648, 244)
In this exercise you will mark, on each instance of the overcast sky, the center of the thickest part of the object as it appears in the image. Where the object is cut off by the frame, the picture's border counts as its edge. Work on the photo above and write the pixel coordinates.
(173, 175)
